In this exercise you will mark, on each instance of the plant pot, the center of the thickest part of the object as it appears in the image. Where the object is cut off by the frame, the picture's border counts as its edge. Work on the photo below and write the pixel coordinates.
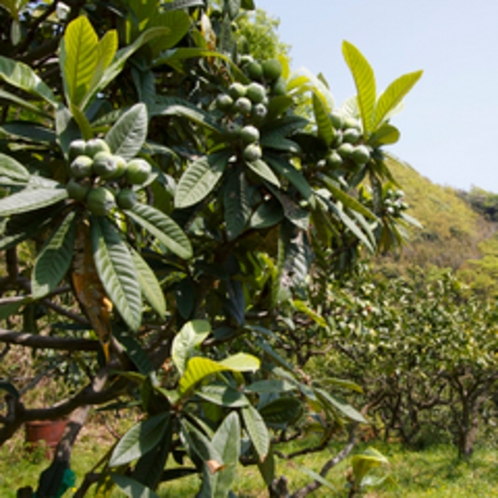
(49, 431)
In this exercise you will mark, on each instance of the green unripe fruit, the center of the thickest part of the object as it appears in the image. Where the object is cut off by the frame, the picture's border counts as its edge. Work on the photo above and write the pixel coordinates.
(76, 148)
(100, 201)
(245, 59)
(345, 150)
(105, 165)
(259, 111)
(254, 70)
(232, 130)
(237, 90)
(138, 171)
(81, 167)
(272, 69)
(361, 155)
(337, 120)
(121, 167)
(242, 105)
(224, 102)
(126, 198)
(96, 145)
(249, 134)
(256, 92)
(280, 88)
(334, 160)
(351, 135)
(351, 122)
(76, 190)
(252, 153)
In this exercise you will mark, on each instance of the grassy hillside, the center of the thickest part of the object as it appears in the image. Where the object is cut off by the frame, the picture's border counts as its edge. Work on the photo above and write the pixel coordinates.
(452, 231)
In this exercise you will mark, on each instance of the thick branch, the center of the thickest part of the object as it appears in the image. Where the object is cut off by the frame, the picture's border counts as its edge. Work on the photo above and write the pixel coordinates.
(48, 342)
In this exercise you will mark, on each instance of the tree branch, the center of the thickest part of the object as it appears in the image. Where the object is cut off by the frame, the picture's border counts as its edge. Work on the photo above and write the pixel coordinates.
(48, 342)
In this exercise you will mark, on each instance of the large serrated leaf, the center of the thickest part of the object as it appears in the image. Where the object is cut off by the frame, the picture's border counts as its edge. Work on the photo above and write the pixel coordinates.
(116, 271)
(263, 171)
(78, 58)
(393, 95)
(26, 104)
(200, 444)
(134, 350)
(200, 178)
(364, 79)
(191, 335)
(236, 204)
(162, 227)
(23, 77)
(54, 259)
(257, 430)
(325, 129)
(282, 410)
(132, 488)
(128, 135)
(178, 23)
(226, 441)
(31, 199)
(199, 368)
(11, 168)
(140, 439)
(149, 285)
(222, 396)
(106, 49)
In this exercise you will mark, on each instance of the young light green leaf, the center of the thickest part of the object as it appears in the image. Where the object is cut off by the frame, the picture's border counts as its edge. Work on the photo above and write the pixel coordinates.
(162, 227)
(23, 77)
(132, 488)
(128, 135)
(393, 95)
(226, 442)
(11, 168)
(140, 439)
(263, 171)
(116, 270)
(54, 259)
(106, 49)
(384, 135)
(31, 199)
(78, 59)
(257, 430)
(325, 129)
(200, 178)
(364, 79)
(191, 335)
(151, 290)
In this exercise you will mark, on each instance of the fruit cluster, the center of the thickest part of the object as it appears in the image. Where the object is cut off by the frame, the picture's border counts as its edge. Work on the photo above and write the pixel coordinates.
(102, 180)
(245, 106)
(347, 149)
(393, 202)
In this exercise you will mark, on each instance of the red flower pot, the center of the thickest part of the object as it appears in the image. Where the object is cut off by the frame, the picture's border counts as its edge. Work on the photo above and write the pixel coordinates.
(49, 431)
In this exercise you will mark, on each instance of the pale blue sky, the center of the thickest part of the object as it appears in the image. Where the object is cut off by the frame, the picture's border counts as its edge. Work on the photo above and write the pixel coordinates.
(449, 126)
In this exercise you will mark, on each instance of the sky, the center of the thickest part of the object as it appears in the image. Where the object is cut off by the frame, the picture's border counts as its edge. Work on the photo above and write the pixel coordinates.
(449, 125)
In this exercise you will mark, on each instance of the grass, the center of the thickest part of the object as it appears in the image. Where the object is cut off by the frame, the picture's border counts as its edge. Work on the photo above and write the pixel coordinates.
(429, 473)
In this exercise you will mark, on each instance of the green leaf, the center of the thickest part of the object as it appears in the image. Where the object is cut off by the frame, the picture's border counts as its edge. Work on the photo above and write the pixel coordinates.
(257, 430)
(199, 368)
(30, 131)
(78, 59)
(31, 199)
(149, 285)
(128, 135)
(140, 439)
(82, 121)
(282, 410)
(191, 335)
(106, 50)
(317, 477)
(330, 402)
(116, 271)
(364, 79)
(200, 178)
(325, 129)
(393, 95)
(119, 61)
(385, 135)
(134, 350)
(10, 168)
(302, 307)
(236, 203)
(222, 396)
(178, 23)
(270, 386)
(200, 444)
(263, 171)
(226, 441)
(54, 259)
(267, 214)
(132, 488)
(23, 77)
(182, 4)
(26, 104)
(162, 227)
